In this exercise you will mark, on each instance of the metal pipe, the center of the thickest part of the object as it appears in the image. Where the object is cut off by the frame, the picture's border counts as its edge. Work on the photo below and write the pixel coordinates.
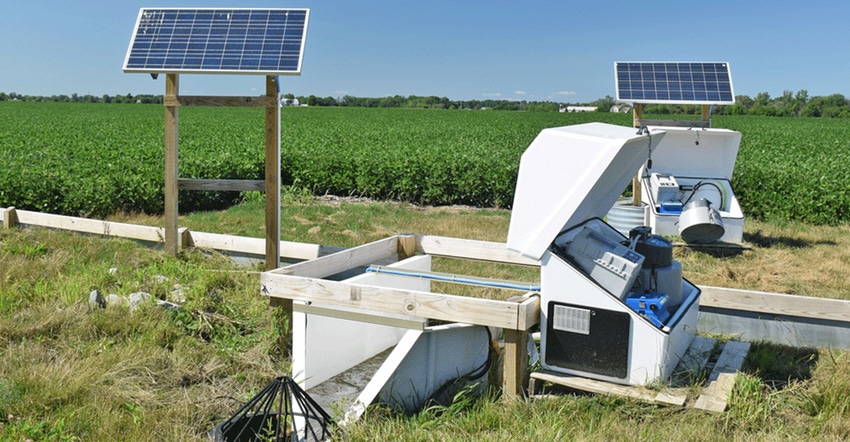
(456, 279)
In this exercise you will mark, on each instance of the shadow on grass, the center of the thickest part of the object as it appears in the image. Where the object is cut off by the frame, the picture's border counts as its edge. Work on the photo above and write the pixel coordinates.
(760, 240)
(717, 249)
(780, 365)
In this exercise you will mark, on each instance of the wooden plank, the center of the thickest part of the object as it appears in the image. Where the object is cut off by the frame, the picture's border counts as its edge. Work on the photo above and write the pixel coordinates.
(221, 185)
(673, 123)
(608, 388)
(346, 259)
(214, 241)
(217, 101)
(470, 249)
(716, 395)
(272, 176)
(722, 377)
(697, 355)
(361, 316)
(673, 399)
(396, 301)
(256, 246)
(171, 159)
(731, 359)
(775, 303)
(92, 226)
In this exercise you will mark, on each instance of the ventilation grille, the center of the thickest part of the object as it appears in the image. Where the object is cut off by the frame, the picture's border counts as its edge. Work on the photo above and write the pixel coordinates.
(571, 319)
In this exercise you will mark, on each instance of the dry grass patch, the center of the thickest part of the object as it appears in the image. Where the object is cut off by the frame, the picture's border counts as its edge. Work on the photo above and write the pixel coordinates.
(792, 258)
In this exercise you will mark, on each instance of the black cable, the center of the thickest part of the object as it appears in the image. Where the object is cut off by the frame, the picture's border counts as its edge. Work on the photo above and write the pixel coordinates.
(471, 376)
(703, 183)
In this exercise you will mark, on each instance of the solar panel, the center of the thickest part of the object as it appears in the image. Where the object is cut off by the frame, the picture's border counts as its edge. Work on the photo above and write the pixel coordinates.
(686, 83)
(220, 41)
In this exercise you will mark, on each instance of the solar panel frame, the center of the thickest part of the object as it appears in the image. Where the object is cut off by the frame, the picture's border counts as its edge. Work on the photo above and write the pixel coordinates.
(674, 82)
(253, 41)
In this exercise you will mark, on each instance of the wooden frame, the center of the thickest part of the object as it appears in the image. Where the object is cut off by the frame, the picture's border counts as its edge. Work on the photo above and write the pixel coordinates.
(271, 185)
(305, 282)
(12, 217)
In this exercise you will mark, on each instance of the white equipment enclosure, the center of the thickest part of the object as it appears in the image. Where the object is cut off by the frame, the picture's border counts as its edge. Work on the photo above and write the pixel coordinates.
(692, 169)
(612, 308)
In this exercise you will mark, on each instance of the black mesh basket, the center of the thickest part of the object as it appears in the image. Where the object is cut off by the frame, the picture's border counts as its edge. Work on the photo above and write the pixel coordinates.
(281, 412)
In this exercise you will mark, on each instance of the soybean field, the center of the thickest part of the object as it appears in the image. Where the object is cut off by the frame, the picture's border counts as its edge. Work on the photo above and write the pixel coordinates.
(97, 159)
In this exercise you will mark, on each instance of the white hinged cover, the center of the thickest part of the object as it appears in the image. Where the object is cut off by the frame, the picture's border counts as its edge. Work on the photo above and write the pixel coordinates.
(569, 175)
(680, 155)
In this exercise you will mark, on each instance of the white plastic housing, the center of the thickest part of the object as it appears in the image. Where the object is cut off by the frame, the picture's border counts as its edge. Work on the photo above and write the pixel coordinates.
(569, 175)
(694, 156)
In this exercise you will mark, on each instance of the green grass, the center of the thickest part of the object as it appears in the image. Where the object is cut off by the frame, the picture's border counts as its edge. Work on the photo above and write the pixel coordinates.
(72, 372)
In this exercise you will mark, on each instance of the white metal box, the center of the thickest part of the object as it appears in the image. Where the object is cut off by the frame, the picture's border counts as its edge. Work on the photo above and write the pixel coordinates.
(589, 332)
(664, 187)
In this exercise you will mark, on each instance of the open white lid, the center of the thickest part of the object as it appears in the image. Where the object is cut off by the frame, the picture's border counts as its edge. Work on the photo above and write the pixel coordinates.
(569, 175)
(695, 152)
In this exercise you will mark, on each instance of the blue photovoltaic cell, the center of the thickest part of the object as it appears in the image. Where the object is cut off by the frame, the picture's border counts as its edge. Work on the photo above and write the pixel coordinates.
(690, 83)
(245, 41)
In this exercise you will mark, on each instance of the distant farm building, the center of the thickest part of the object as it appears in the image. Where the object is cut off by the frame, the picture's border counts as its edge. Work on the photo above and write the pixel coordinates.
(577, 109)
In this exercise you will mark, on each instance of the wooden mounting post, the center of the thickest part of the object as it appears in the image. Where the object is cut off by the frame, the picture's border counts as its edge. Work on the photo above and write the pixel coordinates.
(282, 307)
(706, 115)
(172, 242)
(637, 113)
(10, 218)
(515, 364)
(272, 177)
(406, 246)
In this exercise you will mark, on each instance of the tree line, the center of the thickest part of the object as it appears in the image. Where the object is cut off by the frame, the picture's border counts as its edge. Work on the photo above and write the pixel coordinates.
(88, 98)
(790, 104)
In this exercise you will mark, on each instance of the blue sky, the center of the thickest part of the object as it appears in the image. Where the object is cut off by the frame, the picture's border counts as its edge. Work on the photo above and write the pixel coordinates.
(537, 50)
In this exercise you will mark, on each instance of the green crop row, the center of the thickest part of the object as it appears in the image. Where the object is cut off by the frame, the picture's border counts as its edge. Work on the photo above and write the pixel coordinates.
(432, 157)
(792, 168)
(93, 160)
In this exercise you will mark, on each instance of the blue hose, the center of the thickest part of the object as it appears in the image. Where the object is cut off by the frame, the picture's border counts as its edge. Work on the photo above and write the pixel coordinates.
(457, 279)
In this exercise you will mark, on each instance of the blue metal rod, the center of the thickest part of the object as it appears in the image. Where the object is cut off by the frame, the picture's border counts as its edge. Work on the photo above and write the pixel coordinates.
(457, 279)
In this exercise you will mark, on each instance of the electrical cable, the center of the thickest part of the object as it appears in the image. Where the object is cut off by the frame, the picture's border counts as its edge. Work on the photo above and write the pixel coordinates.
(708, 183)
(440, 398)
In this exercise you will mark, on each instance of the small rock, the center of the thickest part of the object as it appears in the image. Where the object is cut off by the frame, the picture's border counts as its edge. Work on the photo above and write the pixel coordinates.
(160, 279)
(138, 298)
(96, 299)
(113, 299)
(113, 270)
